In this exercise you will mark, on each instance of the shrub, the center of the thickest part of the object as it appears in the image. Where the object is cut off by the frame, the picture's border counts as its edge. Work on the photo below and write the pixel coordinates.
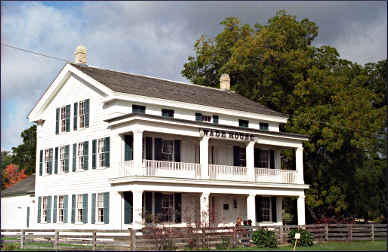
(264, 239)
(306, 238)
(10, 247)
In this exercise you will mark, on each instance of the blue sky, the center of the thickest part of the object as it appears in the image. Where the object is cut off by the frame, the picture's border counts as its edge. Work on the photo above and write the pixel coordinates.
(152, 38)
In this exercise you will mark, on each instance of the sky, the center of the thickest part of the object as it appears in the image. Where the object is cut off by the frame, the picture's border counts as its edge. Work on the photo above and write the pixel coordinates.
(151, 38)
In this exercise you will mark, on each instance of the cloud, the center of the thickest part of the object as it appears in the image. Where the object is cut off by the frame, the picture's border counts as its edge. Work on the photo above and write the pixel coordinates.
(153, 38)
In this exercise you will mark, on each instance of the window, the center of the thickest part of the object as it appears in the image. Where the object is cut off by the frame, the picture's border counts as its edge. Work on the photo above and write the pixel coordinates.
(79, 207)
(100, 208)
(62, 159)
(264, 159)
(243, 123)
(48, 158)
(44, 209)
(169, 113)
(81, 156)
(167, 207)
(138, 109)
(263, 126)
(206, 118)
(167, 150)
(81, 114)
(266, 208)
(60, 209)
(243, 161)
(215, 119)
(203, 118)
(63, 119)
(101, 152)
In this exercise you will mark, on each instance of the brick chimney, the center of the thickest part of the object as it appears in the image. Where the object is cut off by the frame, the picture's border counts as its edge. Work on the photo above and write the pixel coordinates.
(225, 82)
(80, 55)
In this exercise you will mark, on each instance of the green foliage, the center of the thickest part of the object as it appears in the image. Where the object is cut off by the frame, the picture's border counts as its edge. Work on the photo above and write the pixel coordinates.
(264, 239)
(339, 104)
(10, 247)
(306, 238)
(225, 244)
(24, 155)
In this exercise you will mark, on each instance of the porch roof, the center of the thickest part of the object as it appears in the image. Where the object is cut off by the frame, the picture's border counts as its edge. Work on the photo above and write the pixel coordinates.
(226, 127)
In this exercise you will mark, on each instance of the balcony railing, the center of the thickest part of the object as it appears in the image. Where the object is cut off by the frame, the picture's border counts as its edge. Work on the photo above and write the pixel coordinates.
(275, 175)
(171, 169)
(226, 172)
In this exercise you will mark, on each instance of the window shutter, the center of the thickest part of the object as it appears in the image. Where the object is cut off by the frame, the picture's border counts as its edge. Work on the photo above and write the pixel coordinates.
(107, 151)
(41, 163)
(50, 169)
(39, 207)
(257, 157)
(75, 115)
(86, 155)
(73, 209)
(272, 159)
(236, 155)
(128, 148)
(87, 113)
(128, 213)
(148, 207)
(57, 122)
(49, 209)
(274, 217)
(56, 161)
(198, 117)
(148, 148)
(158, 204)
(28, 217)
(178, 207)
(65, 207)
(93, 213)
(85, 208)
(215, 119)
(68, 118)
(106, 208)
(74, 157)
(177, 149)
(67, 152)
(158, 148)
(259, 215)
(55, 209)
(94, 149)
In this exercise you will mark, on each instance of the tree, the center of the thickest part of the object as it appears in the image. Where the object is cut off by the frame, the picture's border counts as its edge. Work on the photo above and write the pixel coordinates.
(339, 104)
(24, 155)
(12, 175)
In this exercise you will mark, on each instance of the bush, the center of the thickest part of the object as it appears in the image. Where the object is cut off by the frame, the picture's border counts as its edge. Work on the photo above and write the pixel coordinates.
(306, 238)
(10, 247)
(264, 239)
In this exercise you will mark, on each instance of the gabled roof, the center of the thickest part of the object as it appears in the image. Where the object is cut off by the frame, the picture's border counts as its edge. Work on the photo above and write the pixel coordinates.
(25, 186)
(175, 91)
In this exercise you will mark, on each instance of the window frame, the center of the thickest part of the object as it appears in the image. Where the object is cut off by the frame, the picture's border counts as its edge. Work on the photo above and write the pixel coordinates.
(100, 208)
(48, 156)
(267, 159)
(138, 109)
(62, 119)
(168, 215)
(80, 156)
(81, 116)
(264, 209)
(241, 122)
(101, 152)
(61, 159)
(264, 126)
(167, 141)
(168, 113)
(79, 208)
(44, 209)
(61, 209)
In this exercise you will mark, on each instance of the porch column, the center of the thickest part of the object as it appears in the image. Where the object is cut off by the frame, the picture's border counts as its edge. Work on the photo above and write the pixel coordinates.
(204, 206)
(251, 208)
(116, 158)
(250, 157)
(115, 209)
(137, 209)
(279, 207)
(301, 210)
(138, 151)
(299, 164)
(204, 157)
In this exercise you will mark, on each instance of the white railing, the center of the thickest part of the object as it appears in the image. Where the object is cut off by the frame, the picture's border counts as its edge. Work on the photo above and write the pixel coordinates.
(275, 175)
(127, 169)
(226, 172)
(171, 169)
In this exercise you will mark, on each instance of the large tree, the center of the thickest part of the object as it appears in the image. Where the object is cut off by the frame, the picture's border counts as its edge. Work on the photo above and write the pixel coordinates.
(339, 104)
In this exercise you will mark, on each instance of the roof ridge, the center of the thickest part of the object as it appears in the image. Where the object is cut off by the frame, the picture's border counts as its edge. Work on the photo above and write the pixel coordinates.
(157, 78)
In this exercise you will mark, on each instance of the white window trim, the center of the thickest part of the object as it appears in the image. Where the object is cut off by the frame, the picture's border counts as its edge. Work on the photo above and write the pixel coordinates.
(61, 162)
(42, 209)
(79, 165)
(268, 159)
(78, 198)
(47, 159)
(58, 209)
(99, 152)
(269, 209)
(97, 208)
(81, 103)
(172, 149)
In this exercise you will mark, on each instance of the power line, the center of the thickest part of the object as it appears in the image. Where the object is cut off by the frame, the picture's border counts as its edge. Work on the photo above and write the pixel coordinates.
(36, 53)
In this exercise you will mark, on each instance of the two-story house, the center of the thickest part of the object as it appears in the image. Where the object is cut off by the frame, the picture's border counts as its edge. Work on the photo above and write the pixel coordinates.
(118, 150)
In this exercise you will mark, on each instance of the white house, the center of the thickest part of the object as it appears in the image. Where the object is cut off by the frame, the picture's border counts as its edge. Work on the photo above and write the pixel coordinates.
(118, 150)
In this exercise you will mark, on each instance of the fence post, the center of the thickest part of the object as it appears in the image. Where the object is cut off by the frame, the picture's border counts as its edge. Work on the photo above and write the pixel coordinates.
(281, 241)
(349, 232)
(373, 231)
(326, 232)
(22, 238)
(133, 239)
(56, 242)
(94, 240)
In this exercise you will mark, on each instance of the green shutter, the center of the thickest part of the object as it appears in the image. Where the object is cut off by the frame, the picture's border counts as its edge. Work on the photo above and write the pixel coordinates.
(198, 117)
(128, 147)
(148, 207)
(106, 208)
(148, 143)
(57, 122)
(74, 157)
(94, 149)
(68, 118)
(273, 201)
(128, 212)
(236, 156)
(271, 159)
(49, 209)
(158, 148)
(56, 161)
(55, 209)
(73, 209)
(86, 155)
(107, 151)
(93, 213)
(39, 208)
(85, 208)
(87, 113)
(259, 215)
(177, 148)
(50, 167)
(75, 116)
(41, 163)
(178, 207)
(65, 207)
(67, 154)
(28, 217)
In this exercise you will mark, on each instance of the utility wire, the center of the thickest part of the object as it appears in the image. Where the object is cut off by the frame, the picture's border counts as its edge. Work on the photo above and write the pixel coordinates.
(36, 53)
